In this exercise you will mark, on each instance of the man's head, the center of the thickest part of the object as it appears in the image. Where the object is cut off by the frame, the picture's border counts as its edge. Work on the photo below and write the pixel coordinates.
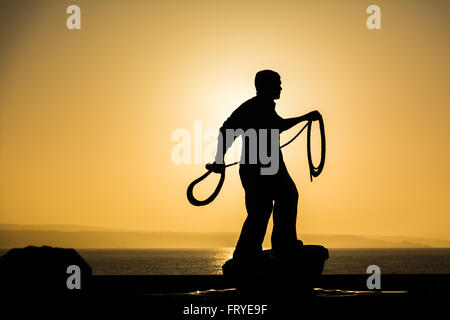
(268, 84)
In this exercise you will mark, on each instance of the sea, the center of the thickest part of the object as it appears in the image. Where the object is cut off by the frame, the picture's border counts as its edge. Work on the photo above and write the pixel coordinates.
(210, 261)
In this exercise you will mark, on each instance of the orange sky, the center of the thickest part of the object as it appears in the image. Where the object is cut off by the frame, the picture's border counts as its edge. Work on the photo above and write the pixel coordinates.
(86, 116)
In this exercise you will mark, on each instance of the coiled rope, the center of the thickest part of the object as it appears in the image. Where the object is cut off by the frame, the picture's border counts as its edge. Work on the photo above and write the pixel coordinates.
(313, 170)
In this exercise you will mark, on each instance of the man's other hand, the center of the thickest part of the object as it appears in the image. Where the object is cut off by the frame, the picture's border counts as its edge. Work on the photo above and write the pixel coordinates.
(215, 167)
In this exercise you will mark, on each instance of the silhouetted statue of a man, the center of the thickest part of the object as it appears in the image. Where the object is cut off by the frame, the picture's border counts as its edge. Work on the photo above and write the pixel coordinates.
(264, 192)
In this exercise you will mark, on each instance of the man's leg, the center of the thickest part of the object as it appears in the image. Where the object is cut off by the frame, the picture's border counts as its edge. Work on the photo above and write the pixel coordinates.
(284, 234)
(259, 206)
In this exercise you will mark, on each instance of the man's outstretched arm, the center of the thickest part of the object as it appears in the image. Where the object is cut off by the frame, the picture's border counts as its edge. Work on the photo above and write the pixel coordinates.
(286, 124)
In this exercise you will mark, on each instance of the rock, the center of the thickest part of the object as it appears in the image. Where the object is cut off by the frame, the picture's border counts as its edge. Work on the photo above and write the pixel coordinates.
(294, 273)
(43, 271)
